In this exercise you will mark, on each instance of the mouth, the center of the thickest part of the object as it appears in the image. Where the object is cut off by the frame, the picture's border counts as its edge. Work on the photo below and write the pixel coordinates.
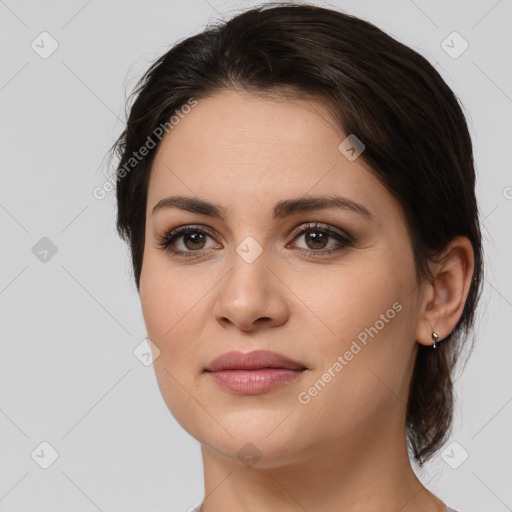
(254, 372)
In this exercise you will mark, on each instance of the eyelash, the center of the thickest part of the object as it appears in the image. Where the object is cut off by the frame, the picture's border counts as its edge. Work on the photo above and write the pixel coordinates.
(168, 238)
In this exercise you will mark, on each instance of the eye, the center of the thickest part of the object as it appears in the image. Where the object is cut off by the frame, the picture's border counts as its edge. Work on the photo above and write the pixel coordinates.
(191, 238)
(316, 237)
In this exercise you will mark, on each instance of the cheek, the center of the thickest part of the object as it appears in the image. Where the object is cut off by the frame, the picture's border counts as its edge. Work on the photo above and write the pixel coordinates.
(173, 306)
(364, 312)
(165, 297)
(347, 299)
(154, 297)
(170, 320)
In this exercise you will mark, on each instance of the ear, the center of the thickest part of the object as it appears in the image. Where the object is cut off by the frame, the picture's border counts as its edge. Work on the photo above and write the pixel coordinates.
(445, 297)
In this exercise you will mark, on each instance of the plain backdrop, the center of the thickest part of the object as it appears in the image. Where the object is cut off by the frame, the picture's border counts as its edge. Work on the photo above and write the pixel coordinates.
(73, 394)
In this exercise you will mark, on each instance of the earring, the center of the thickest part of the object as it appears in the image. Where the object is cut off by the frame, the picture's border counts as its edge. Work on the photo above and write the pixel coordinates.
(435, 337)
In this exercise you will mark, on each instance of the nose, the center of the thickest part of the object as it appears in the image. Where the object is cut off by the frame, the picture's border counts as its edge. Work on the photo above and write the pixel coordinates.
(251, 297)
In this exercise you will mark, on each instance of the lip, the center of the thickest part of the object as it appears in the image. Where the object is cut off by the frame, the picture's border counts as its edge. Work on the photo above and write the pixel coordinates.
(254, 360)
(254, 372)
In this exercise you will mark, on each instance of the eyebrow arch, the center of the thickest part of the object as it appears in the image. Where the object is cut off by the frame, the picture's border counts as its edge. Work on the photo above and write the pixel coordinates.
(281, 210)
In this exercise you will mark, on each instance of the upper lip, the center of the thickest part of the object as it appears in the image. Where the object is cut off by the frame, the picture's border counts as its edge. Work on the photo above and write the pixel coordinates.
(252, 361)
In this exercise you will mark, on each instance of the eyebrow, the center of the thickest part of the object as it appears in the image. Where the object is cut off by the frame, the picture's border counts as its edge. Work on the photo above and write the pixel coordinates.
(281, 210)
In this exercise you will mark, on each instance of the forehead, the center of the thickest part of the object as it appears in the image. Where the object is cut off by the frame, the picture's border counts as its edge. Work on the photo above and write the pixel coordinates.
(239, 149)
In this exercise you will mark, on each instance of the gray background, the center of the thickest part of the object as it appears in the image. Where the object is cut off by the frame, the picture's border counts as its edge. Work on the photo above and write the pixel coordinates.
(69, 325)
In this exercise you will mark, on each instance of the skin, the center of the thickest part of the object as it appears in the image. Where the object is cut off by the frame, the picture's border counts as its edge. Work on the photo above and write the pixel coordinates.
(346, 448)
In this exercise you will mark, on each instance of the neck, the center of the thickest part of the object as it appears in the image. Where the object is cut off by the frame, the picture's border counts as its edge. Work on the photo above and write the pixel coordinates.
(370, 472)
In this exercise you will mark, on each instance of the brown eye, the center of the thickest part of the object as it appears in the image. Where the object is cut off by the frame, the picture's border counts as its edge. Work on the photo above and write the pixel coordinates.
(194, 240)
(186, 240)
(191, 241)
(316, 238)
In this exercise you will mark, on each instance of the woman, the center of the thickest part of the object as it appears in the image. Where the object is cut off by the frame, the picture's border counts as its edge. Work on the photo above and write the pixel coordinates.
(298, 193)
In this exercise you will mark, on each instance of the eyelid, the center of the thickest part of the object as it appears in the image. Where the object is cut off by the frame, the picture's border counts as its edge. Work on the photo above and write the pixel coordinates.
(171, 234)
(343, 238)
(304, 226)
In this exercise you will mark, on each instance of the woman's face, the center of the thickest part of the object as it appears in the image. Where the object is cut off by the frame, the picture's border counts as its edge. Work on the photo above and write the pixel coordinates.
(331, 288)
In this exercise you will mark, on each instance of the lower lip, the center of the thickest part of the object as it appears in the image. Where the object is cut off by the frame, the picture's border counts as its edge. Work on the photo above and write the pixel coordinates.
(254, 382)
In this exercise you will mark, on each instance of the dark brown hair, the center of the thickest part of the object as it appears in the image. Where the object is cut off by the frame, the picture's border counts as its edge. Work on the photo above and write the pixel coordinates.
(415, 133)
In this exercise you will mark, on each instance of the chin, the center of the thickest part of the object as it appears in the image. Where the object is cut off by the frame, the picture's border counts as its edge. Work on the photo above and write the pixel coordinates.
(251, 452)
(255, 438)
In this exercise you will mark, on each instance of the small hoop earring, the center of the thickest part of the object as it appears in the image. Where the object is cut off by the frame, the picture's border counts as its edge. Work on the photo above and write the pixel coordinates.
(435, 337)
